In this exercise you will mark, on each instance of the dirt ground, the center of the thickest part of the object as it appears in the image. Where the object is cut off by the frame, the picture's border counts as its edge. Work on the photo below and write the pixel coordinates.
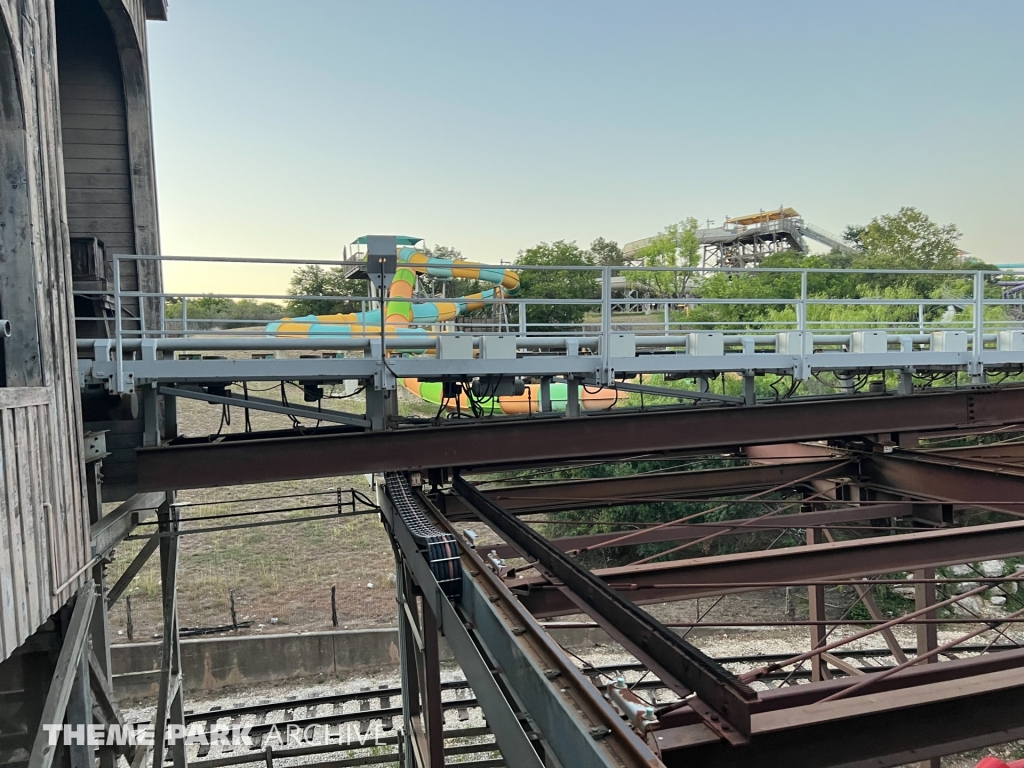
(281, 574)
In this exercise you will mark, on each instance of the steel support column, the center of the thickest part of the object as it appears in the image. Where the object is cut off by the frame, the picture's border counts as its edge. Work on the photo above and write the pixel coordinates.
(816, 612)
(169, 708)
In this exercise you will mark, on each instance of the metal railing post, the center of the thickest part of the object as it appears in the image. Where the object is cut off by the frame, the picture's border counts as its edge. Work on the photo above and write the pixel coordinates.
(118, 343)
(522, 317)
(979, 323)
(606, 323)
(801, 308)
(184, 317)
(920, 318)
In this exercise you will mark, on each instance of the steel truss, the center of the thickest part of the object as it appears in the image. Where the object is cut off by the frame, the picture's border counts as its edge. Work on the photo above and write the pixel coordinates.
(912, 496)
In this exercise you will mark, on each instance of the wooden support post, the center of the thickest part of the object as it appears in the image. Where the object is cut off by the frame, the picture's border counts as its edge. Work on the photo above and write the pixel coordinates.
(169, 707)
(816, 612)
(57, 697)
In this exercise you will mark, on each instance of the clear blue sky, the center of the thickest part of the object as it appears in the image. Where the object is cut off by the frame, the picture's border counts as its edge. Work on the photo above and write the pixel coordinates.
(290, 128)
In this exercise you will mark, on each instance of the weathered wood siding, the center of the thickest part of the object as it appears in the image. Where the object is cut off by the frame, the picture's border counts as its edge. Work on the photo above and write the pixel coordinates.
(41, 466)
(42, 544)
(96, 172)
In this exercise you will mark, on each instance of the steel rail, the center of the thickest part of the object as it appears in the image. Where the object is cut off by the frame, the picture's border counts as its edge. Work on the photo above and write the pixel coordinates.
(490, 631)
(532, 644)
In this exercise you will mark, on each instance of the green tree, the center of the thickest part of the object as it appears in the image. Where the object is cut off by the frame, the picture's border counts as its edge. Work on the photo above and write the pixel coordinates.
(217, 309)
(907, 240)
(607, 253)
(314, 280)
(556, 283)
(676, 246)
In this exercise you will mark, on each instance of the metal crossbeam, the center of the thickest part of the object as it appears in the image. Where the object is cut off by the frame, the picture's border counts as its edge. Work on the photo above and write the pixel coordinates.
(136, 565)
(686, 531)
(949, 478)
(487, 443)
(748, 571)
(111, 529)
(632, 489)
(579, 726)
(262, 404)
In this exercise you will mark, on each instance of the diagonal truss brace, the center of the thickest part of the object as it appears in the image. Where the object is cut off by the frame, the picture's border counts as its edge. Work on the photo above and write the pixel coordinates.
(713, 684)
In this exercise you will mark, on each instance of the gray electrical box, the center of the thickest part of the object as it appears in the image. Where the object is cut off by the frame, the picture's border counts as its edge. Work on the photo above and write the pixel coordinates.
(705, 344)
(794, 343)
(949, 341)
(1011, 341)
(869, 342)
(622, 345)
(455, 347)
(381, 260)
(498, 347)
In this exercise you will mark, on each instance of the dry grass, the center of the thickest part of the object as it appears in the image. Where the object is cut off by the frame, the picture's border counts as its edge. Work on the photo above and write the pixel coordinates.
(283, 572)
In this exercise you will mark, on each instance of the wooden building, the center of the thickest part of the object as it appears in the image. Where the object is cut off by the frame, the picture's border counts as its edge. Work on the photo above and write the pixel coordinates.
(76, 174)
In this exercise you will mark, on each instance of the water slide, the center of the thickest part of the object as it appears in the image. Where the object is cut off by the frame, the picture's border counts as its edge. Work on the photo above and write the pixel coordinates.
(403, 318)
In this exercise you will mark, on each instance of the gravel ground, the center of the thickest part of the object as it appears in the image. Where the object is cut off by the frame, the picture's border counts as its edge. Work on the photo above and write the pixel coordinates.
(716, 644)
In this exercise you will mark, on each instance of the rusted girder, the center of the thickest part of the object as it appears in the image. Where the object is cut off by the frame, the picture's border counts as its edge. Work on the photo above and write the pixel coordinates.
(636, 489)
(685, 531)
(706, 576)
(1007, 453)
(924, 712)
(958, 480)
(499, 441)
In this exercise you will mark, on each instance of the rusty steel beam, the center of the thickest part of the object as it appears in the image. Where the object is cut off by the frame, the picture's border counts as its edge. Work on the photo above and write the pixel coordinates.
(606, 435)
(961, 481)
(636, 489)
(924, 712)
(1009, 453)
(685, 531)
(722, 574)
